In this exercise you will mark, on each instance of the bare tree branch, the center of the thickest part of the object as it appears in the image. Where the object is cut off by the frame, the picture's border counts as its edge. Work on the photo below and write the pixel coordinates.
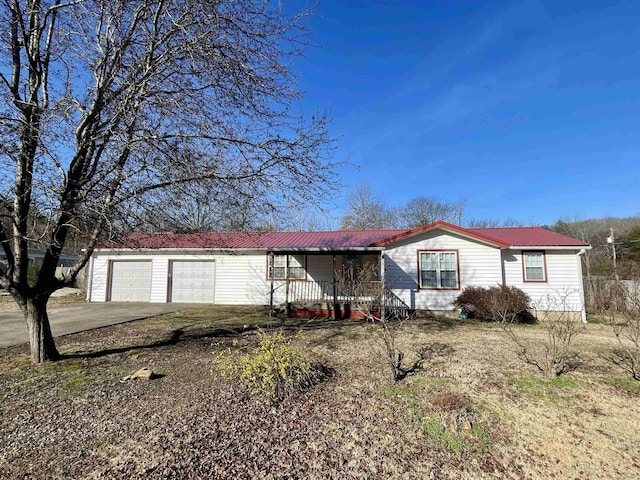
(113, 102)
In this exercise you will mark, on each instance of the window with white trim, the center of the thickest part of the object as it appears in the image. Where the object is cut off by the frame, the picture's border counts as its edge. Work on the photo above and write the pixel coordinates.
(438, 269)
(286, 267)
(533, 268)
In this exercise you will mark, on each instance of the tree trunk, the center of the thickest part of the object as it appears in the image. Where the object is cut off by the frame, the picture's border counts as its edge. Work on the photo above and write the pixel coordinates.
(43, 347)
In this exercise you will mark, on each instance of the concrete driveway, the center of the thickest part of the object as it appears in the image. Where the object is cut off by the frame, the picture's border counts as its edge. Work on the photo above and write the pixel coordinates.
(83, 316)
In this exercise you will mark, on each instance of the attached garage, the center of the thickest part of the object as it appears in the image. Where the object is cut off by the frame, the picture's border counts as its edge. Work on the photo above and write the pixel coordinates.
(192, 281)
(130, 281)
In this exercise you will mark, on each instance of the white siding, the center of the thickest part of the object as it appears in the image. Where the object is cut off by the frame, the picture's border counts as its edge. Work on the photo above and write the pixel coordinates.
(479, 266)
(99, 279)
(240, 278)
(159, 279)
(564, 279)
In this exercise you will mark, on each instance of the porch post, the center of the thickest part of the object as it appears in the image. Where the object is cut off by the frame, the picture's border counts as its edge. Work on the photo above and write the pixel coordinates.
(335, 290)
(382, 296)
(270, 273)
(286, 298)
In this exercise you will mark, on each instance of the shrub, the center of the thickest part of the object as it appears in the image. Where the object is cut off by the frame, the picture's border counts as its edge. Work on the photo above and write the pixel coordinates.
(619, 307)
(273, 369)
(506, 305)
(499, 303)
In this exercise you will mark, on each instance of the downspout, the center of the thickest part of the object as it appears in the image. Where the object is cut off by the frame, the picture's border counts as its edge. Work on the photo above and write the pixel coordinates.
(335, 289)
(583, 311)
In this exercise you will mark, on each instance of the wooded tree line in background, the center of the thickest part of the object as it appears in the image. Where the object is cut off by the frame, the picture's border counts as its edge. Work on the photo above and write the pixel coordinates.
(598, 261)
(207, 207)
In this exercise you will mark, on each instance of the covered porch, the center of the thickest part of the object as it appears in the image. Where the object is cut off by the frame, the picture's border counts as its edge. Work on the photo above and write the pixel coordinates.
(344, 284)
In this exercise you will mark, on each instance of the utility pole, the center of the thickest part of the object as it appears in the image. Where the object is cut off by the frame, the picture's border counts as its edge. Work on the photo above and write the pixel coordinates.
(612, 241)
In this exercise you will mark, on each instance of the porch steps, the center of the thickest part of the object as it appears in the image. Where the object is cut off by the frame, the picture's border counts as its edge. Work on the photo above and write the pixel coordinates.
(394, 306)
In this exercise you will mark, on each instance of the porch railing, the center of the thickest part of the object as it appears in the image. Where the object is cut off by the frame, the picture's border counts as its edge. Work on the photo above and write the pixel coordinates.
(366, 295)
(311, 292)
(323, 291)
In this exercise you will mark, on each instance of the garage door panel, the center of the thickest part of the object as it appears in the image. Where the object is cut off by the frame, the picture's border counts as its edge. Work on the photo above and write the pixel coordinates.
(192, 281)
(130, 281)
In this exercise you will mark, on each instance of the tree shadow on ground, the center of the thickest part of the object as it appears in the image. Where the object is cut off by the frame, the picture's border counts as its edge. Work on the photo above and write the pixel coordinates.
(426, 354)
(173, 339)
(336, 329)
(432, 323)
(176, 336)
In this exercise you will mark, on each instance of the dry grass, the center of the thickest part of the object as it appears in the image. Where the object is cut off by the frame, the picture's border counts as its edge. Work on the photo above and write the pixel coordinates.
(8, 304)
(474, 411)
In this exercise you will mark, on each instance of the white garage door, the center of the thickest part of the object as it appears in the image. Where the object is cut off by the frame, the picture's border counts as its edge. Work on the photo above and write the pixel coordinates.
(192, 282)
(130, 281)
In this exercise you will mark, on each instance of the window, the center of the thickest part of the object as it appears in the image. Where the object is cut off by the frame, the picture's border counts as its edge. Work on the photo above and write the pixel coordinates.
(533, 266)
(283, 267)
(438, 269)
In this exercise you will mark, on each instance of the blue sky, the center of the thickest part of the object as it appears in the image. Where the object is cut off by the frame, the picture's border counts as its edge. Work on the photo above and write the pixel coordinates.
(529, 110)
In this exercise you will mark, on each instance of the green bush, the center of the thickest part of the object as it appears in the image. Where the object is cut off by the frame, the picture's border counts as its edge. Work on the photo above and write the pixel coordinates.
(273, 369)
(499, 303)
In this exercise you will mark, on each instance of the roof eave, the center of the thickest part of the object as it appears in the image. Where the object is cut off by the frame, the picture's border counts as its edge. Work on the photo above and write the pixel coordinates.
(550, 247)
(243, 249)
(448, 227)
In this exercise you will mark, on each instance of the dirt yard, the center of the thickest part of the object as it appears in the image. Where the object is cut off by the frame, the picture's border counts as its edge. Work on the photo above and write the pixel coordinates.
(474, 410)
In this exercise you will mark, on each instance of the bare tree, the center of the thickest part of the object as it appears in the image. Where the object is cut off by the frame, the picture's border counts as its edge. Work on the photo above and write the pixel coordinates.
(493, 223)
(506, 306)
(483, 223)
(300, 217)
(618, 305)
(555, 355)
(365, 291)
(200, 207)
(366, 210)
(424, 210)
(104, 102)
(562, 325)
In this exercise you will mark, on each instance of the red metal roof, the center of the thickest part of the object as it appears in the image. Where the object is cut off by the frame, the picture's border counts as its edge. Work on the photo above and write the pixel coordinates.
(257, 240)
(341, 239)
(530, 236)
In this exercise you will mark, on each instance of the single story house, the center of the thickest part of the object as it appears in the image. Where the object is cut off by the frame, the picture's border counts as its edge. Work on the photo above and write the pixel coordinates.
(423, 268)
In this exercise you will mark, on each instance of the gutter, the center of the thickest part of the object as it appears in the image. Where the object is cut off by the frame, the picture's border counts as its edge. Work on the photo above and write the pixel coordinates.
(228, 250)
(583, 312)
(551, 247)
